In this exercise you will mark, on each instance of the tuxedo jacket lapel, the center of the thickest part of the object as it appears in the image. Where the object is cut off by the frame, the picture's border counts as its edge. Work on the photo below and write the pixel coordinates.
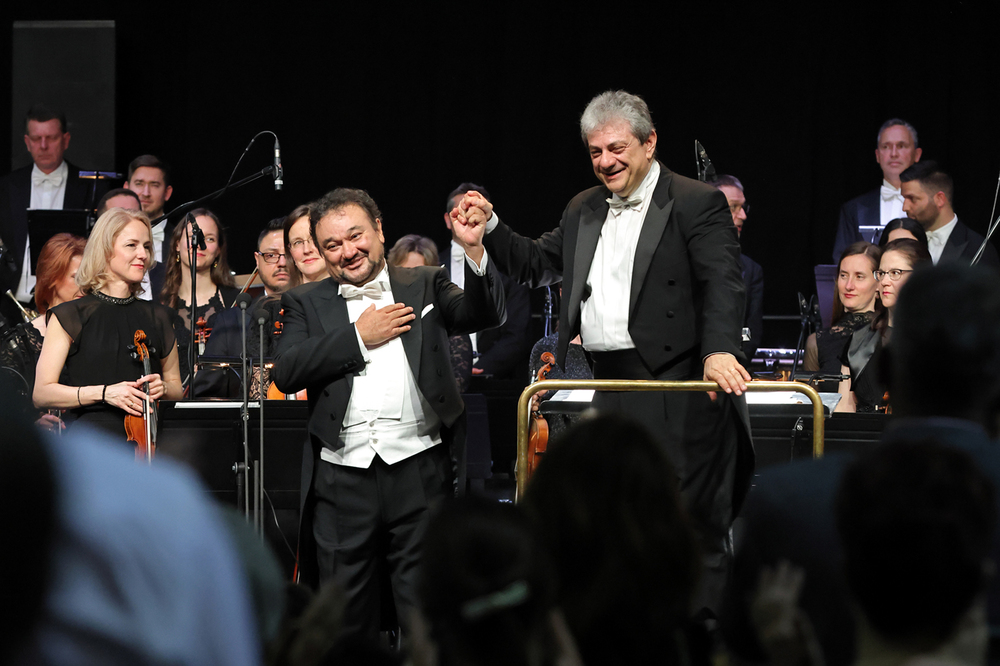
(955, 247)
(591, 223)
(657, 215)
(410, 292)
(332, 311)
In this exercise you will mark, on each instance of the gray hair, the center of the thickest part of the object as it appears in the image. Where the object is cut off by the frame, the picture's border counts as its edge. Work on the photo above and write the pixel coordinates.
(617, 105)
(892, 122)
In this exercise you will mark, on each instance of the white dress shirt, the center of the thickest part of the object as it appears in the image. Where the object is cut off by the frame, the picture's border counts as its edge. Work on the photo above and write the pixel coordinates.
(386, 414)
(159, 231)
(48, 192)
(604, 316)
(890, 203)
(457, 270)
(937, 239)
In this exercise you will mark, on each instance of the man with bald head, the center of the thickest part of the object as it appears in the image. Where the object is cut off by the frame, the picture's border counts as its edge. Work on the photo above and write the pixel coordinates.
(650, 265)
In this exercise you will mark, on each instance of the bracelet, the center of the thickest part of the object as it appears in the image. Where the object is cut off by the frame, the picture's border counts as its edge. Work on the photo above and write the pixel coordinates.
(102, 392)
(78, 395)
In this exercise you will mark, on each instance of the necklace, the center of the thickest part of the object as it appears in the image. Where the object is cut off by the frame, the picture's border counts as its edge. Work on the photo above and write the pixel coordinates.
(112, 299)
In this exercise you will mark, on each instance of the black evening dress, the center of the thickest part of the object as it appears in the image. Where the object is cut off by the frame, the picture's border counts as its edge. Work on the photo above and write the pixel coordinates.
(222, 299)
(831, 342)
(102, 330)
(863, 356)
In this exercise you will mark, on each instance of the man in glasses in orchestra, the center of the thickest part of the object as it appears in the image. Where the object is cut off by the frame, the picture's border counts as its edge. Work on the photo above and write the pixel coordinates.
(272, 269)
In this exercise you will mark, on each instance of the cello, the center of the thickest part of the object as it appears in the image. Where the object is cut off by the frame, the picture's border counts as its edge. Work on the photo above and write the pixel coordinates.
(142, 429)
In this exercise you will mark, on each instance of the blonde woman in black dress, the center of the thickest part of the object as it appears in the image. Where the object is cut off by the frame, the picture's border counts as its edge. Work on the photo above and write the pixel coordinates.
(91, 336)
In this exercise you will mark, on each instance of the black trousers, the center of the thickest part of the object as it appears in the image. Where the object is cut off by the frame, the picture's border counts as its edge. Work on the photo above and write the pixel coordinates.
(700, 438)
(369, 521)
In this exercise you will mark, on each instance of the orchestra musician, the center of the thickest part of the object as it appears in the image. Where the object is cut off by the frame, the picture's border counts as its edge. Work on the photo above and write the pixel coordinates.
(90, 336)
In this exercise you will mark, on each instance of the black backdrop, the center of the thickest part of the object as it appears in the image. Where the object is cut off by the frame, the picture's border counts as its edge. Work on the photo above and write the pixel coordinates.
(408, 103)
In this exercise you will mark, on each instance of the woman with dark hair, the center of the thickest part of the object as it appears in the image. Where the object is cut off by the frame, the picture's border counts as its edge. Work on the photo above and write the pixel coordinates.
(90, 336)
(854, 307)
(216, 288)
(307, 263)
(414, 250)
(865, 390)
(903, 227)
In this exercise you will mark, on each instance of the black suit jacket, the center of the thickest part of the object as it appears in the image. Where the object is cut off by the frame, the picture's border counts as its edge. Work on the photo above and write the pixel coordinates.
(15, 197)
(753, 317)
(318, 350)
(504, 350)
(687, 292)
(863, 211)
(962, 245)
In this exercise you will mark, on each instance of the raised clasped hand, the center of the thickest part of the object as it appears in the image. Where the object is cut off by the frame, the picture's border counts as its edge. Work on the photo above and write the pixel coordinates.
(379, 326)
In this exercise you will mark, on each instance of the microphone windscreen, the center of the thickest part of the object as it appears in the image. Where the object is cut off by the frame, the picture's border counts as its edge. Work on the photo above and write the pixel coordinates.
(262, 315)
(243, 300)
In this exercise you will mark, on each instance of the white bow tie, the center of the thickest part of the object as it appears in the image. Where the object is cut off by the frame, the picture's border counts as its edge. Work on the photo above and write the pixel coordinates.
(935, 239)
(618, 204)
(55, 179)
(890, 193)
(372, 290)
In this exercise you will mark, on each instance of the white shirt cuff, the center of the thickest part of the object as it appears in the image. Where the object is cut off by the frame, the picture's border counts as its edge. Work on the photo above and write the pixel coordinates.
(481, 268)
(492, 223)
(364, 349)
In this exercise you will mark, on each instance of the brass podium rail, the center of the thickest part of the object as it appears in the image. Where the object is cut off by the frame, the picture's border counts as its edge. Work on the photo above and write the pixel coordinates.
(524, 406)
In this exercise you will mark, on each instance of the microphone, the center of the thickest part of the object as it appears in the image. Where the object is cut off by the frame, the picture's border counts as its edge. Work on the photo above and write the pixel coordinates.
(278, 171)
(262, 315)
(243, 300)
(196, 234)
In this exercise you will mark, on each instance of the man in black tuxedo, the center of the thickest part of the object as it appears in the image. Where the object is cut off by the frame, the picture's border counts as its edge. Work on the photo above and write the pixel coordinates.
(371, 347)
(753, 274)
(50, 183)
(946, 324)
(895, 151)
(500, 352)
(226, 337)
(650, 263)
(927, 193)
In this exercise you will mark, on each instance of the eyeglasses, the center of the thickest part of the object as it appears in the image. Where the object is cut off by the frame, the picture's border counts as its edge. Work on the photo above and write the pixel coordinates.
(270, 257)
(894, 274)
(300, 243)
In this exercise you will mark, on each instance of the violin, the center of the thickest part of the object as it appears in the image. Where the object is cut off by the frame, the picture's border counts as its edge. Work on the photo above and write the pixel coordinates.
(272, 391)
(142, 429)
(538, 427)
(202, 333)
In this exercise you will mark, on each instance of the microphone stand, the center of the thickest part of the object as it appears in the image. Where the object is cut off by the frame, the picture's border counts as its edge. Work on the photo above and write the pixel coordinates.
(196, 240)
(258, 500)
(805, 315)
(243, 300)
(185, 208)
